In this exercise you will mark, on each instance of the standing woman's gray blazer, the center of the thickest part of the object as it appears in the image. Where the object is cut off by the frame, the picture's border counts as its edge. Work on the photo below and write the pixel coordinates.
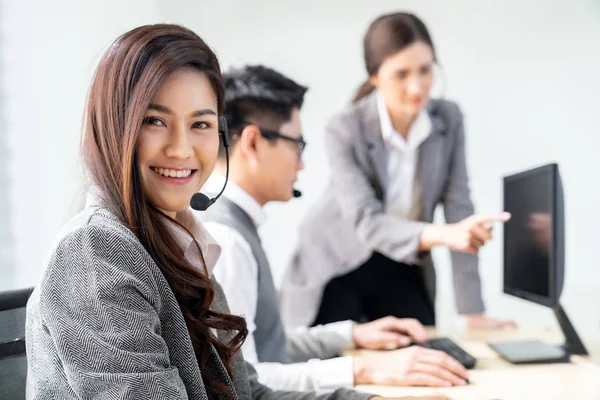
(349, 222)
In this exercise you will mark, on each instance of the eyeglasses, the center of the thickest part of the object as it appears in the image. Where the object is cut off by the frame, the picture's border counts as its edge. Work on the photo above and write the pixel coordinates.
(300, 143)
(272, 135)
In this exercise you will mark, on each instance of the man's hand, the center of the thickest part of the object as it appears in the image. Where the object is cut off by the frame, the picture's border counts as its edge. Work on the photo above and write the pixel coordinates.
(388, 333)
(480, 321)
(413, 366)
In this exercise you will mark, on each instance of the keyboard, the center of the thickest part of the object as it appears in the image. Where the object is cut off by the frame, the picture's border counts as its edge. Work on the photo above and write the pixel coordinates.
(449, 347)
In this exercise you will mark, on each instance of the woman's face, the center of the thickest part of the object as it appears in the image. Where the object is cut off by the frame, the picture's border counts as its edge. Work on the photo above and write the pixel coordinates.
(179, 140)
(405, 78)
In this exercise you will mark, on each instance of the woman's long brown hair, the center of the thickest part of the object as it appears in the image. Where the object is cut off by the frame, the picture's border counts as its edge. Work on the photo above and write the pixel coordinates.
(126, 80)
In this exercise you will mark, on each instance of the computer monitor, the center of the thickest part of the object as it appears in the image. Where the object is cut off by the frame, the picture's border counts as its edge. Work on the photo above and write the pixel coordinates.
(534, 258)
(534, 237)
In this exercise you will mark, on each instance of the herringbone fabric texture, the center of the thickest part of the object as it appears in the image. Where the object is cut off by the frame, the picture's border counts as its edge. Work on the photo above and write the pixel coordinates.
(104, 324)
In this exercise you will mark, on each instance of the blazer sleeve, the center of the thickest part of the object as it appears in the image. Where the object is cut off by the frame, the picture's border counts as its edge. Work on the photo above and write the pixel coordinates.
(105, 330)
(458, 206)
(321, 341)
(393, 237)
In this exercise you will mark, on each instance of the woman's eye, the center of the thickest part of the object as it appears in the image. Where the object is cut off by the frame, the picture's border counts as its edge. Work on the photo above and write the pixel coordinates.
(402, 74)
(425, 70)
(153, 121)
(201, 125)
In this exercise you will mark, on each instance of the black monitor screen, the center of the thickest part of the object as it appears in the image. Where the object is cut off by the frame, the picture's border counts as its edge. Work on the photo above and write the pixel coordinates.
(528, 234)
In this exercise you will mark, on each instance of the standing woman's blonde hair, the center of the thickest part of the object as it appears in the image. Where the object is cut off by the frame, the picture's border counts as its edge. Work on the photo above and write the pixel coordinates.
(129, 75)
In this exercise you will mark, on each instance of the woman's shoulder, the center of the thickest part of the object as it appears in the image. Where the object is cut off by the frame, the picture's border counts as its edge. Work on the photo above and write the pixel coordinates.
(95, 261)
(95, 226)
(93, 243)
(348, 122)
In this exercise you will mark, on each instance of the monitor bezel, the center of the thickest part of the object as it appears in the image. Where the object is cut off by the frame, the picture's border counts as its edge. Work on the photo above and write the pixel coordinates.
(552, 300)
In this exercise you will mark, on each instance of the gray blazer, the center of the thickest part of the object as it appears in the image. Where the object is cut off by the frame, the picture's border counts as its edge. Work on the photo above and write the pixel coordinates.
(104, 324)
(349, 223)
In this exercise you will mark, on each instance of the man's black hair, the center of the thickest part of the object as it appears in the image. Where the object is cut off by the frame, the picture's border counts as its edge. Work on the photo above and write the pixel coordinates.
(259, 95)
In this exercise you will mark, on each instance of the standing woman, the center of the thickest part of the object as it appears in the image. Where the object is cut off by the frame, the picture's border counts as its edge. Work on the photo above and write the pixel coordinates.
(395, 154)
(127, 308)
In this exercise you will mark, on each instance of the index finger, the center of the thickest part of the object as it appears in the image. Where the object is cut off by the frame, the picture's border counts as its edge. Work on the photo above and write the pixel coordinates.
(486, 218)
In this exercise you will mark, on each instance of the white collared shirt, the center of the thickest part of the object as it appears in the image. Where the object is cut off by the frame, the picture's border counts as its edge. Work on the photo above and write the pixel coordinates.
(211, 250)
(403, 192)
(237, 272)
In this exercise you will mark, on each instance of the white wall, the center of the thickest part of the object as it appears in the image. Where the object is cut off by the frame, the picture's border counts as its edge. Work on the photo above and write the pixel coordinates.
(49, 52)
(526, 77)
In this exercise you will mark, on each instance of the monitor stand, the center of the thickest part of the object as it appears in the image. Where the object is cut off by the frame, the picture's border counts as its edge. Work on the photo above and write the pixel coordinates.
(572, 344)
(537, 352)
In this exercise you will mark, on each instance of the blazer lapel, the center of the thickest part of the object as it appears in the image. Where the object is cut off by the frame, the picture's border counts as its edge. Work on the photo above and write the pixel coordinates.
(429, 161)
(219, 372)
(376, 146)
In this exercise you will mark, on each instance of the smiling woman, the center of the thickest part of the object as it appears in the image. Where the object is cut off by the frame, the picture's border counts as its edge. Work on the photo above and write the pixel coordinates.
(170, 100)
(131, 277)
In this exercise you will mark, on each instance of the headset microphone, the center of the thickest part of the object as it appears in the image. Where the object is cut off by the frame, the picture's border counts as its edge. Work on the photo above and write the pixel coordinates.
(200, 201)
(297, 193)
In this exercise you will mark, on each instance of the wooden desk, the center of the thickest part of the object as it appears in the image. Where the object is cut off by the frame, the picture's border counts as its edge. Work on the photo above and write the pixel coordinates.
(495, 378)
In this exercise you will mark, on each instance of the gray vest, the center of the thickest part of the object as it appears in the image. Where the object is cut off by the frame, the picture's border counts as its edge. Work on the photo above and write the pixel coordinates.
(269, 335)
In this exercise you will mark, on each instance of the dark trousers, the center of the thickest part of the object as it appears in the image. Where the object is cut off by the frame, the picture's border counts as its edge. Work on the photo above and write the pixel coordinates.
(378, 288)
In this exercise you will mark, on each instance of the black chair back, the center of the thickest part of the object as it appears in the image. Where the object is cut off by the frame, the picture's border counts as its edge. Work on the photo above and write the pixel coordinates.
(13, 360)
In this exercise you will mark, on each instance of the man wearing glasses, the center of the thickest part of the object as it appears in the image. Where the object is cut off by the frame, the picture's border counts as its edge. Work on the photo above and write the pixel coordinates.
(266, 144)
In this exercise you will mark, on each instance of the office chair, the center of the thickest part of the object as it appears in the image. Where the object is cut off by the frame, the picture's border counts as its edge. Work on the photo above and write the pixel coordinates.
(13, 361)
